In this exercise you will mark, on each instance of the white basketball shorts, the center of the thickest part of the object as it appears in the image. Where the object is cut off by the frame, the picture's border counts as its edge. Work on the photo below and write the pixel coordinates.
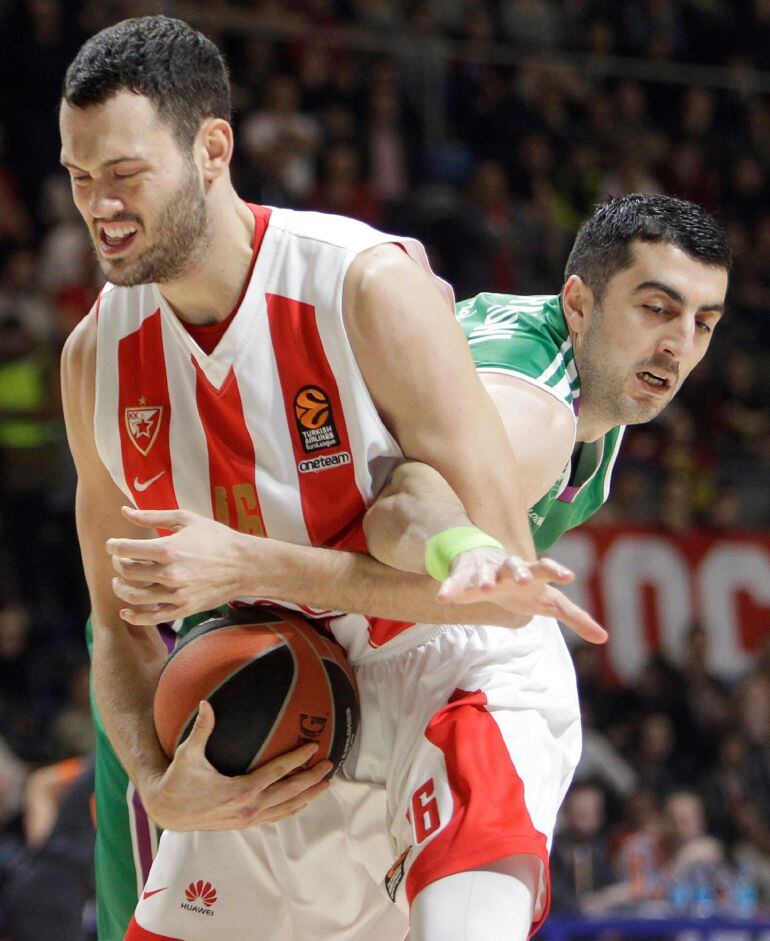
(467, 745)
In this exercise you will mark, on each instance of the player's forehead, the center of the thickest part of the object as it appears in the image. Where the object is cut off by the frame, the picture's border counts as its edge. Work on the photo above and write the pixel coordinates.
(124, 124)
(658, 265)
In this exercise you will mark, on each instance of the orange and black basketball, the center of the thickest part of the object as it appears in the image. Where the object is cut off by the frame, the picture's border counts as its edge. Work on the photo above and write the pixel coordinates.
(311, 407)
(274, 683)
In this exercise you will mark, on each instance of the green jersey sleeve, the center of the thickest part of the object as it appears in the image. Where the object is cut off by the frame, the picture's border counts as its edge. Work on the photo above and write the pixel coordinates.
(523, 336)
(527, 337)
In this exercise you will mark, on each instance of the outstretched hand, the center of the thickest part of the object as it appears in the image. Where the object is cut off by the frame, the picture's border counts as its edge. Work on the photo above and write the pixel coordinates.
(527, 588)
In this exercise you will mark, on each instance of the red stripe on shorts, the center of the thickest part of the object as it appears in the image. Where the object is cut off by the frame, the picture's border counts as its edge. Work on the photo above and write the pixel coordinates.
(137, 933)
(232, 464)
(144, 417)
(490, 819)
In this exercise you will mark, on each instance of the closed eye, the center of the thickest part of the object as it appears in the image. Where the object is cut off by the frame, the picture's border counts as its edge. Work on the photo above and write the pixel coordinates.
(652, 308)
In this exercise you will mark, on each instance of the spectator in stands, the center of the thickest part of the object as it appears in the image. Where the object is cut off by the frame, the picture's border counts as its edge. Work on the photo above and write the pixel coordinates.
(52, 882)
(281, 140)
(30, 426)
(581, 859)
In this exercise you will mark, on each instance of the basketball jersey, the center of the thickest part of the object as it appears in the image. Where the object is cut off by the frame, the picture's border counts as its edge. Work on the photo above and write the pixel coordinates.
(273, 433)
(527, 337)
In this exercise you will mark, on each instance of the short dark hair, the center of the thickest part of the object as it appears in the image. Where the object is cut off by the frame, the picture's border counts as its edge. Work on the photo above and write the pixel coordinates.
(603, 244)
(176, 67)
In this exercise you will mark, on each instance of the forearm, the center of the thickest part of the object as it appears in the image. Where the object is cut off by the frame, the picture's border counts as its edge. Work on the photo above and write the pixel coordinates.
(354, 583)
(416, 504)
(126, 664)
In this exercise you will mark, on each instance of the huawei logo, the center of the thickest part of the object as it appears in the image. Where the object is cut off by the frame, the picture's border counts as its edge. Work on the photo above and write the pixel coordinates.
(201, 891)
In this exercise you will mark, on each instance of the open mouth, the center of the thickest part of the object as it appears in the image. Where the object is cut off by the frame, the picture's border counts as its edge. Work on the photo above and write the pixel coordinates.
(653, 382)
(115, 239)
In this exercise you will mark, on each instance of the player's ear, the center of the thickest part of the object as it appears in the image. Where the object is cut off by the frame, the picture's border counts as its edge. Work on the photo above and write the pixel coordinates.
(577, 302)
(214, 147)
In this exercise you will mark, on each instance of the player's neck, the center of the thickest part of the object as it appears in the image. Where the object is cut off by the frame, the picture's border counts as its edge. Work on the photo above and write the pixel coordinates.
(210, 291)
(590, 427)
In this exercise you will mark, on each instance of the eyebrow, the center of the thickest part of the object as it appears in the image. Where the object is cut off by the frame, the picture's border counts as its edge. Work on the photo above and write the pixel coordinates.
(107, 163)
(677, 297)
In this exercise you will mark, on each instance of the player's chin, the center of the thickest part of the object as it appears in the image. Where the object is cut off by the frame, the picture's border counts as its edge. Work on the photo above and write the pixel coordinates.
(639, 412)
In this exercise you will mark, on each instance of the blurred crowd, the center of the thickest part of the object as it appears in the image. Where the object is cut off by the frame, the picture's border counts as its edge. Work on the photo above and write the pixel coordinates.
(492, 165)
(669, 813)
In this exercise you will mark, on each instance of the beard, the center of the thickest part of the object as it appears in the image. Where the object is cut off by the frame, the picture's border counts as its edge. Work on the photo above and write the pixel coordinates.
(180, 235)
(603, 381)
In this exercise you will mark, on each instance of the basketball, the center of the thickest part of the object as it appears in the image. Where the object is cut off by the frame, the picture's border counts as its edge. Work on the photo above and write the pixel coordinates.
(274, 683)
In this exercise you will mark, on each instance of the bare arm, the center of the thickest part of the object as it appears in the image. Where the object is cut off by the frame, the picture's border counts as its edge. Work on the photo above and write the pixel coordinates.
(417, 502)
(127, 660)
(417, 365)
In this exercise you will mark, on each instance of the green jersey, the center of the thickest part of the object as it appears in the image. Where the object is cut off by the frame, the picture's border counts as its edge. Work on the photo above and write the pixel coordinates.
(527, 337)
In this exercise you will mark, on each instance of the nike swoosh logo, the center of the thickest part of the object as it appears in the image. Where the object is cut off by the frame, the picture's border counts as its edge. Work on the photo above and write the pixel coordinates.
(154, 892)
(143, 485)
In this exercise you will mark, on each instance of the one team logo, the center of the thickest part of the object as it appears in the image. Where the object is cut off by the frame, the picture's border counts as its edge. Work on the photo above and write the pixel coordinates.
(200, 897)
(143, 425)
(315, 422)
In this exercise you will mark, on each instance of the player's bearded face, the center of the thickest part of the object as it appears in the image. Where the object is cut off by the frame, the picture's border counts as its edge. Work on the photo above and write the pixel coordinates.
(605, 377)
(171, 241)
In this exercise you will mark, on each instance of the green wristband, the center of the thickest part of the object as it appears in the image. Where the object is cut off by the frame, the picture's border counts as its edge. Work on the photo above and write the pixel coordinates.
(442, 549)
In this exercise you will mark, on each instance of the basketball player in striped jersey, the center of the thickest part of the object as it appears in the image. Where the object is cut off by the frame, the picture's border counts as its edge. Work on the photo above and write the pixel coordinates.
(644, 290)
(325, 290)
(261, 368)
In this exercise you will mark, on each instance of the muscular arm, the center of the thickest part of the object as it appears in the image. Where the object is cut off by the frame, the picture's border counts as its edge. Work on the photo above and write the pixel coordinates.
(417, 365)
(126, 660)
(417, 502)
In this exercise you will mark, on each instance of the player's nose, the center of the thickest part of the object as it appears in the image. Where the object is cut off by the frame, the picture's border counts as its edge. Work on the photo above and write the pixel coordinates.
(679, 339)
(103, 204)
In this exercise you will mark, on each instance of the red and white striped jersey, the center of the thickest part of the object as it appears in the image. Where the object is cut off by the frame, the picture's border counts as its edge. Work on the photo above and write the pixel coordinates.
(274, 432)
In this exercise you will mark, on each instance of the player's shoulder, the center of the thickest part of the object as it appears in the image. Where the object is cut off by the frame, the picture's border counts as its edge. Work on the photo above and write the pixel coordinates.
(325, 227)
(79, 349)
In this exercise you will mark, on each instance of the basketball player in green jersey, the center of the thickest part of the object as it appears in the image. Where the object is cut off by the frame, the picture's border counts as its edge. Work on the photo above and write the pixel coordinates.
(645, 287)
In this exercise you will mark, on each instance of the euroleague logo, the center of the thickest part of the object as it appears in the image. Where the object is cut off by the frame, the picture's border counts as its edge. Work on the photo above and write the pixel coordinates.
(200, 897)
(315, 421)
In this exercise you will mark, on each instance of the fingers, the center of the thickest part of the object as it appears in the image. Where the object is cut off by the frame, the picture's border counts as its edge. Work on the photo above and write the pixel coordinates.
(577, 619)
(516, 570)
(133, 571)
(543, 570)
(156, 519)
(279, 767)
(452, 590)
(551, 571)
(153, 615)
(143, 550)
(138, 594)
(194, 746)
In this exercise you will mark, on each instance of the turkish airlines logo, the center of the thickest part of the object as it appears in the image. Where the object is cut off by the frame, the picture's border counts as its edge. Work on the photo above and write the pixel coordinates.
(315, 421)
(143, 425)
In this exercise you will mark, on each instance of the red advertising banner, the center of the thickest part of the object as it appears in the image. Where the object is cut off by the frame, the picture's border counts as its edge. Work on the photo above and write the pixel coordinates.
(647, 587)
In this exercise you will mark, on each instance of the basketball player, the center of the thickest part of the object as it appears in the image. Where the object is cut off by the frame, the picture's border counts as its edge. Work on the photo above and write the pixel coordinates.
(261, 367)
(645, 287)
